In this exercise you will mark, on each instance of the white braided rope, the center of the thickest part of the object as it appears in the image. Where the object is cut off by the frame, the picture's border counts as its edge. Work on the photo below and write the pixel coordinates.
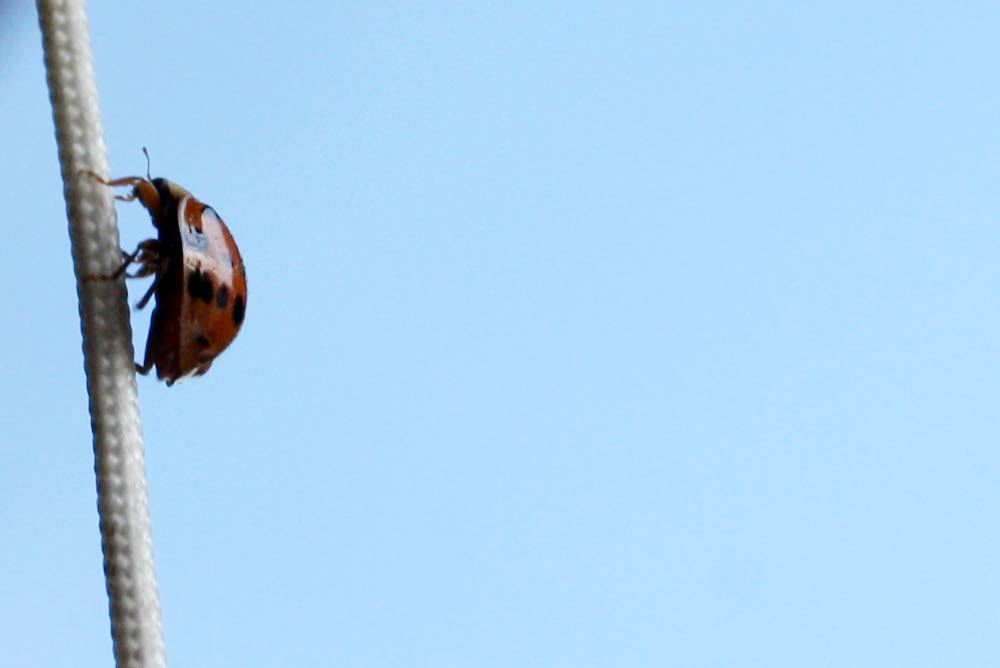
(126, 536)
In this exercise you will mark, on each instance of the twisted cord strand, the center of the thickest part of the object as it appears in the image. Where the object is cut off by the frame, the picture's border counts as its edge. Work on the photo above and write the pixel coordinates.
(119, 463)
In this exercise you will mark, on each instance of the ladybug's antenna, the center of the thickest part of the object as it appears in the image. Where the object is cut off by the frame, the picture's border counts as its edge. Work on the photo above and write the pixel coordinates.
(146, 153)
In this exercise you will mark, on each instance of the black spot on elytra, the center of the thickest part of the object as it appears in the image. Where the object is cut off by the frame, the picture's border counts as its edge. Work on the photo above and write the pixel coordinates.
(199, 285)
(238, 307)
(202, 341)
(222, 296)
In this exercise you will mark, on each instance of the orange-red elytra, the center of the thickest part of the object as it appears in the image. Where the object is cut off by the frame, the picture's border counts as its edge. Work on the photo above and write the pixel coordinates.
(199, 281)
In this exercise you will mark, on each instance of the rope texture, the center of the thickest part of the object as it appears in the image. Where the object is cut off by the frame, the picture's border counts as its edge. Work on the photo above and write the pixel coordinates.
(119, 464)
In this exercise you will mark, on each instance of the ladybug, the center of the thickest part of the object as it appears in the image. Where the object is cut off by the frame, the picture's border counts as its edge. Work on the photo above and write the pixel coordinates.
(199, 283)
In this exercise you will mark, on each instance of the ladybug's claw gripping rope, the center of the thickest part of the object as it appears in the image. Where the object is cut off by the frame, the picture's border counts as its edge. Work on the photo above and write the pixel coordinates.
(126, 535)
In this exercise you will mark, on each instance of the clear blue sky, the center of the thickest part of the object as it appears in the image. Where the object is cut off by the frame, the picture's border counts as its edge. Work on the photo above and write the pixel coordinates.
(659, 334)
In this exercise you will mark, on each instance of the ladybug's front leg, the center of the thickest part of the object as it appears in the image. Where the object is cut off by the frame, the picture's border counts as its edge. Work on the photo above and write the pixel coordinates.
(142, 188)
(114, 183)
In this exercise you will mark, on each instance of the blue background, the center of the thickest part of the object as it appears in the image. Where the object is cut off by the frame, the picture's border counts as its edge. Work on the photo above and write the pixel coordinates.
(578, 334)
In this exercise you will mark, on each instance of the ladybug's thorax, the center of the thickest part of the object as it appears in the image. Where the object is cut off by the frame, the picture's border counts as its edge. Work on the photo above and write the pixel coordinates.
(163, 207)
(169, 190)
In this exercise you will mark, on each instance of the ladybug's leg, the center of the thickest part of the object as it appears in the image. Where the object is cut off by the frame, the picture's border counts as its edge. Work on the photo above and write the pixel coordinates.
(146, 192)
(146, 254)
(142, 188)
(161, 269)
(149, 293)
(114, 183)
(152, 342)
